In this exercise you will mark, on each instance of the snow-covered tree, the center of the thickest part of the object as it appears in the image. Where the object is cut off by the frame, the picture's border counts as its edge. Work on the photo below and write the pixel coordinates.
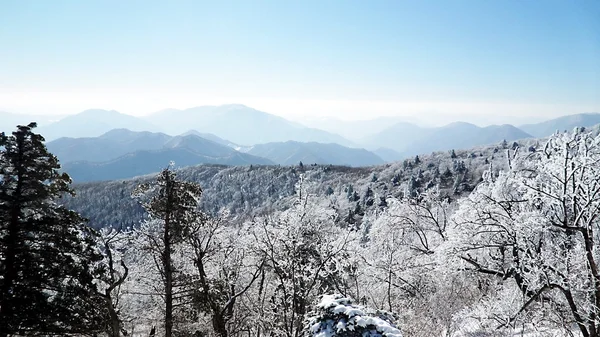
(336, 315)
(112, 244)
(173, 209)
(401, 264)
(47, 253)
(141, 300)
(305, 254)
(222, 271)
(535, 228)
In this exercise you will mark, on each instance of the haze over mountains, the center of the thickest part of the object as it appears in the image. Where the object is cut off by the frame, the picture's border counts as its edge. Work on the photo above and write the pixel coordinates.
(100, 144)
(240, 124)
(108, 146)
(357, 129)
(93, 123)
(409, 139)
(565, 123)
(121, 153)
(292, 153)
(9, 120)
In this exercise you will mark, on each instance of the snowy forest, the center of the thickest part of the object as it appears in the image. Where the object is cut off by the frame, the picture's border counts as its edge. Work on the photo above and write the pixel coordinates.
(494, 241)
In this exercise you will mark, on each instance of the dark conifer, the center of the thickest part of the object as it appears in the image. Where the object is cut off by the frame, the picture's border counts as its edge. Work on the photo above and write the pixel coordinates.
(174, 203)
(47, 254)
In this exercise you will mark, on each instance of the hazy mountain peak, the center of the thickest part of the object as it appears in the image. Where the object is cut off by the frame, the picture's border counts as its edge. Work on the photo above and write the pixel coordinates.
(118, 132)
(460, 124)
(568, 122)
(240, 124)
(124, 134)
(213, 138)
(406, 140)
(502, 126)
(293, 152)
(191, 132)
(93, 123)
(192, 141)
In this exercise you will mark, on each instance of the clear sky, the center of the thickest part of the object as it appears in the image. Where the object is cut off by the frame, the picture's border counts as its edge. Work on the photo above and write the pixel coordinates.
(476, 59)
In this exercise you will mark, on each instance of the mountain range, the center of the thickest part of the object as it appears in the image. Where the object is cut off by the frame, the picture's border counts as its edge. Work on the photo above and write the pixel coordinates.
(245, 126)
(93, 123)
(108, 146)
(565, 123)
(354, 130)
(96, 142)
(149, 161)
(292, 153)
(122, 153)
(241, 125)
(408, 139)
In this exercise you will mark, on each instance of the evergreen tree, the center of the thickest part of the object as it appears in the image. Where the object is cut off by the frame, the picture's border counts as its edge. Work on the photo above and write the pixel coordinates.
(336, 315)
(329, 191)
(173, 205)
(46, 251)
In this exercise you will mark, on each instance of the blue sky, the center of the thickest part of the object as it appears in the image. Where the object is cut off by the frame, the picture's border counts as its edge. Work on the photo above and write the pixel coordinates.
(351, 59)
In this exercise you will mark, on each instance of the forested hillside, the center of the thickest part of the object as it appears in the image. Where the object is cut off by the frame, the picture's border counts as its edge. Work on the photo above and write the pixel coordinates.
(497, 240)
(388, 168)
(248, 191)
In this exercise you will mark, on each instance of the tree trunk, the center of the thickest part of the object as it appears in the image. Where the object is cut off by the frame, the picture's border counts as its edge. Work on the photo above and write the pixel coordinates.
(115, 326)
(115, 322)
(168, 281)
(167, 263)
(218, 322)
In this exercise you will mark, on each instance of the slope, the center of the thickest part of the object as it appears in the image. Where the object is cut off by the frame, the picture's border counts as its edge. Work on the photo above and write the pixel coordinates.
(292, 153)
(146, 162)
(110, 145)
(122, 153)
(93, 123)
(241, 125)
(245, 191)
(409, 139)
(567, 123)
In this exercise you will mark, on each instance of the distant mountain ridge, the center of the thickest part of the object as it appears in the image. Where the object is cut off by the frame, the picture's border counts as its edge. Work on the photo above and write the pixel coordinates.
(93, 123)
(139, 153)
(123, 153)
(408, 139)
(118, 142)
(563, 123)
(292, 153)
(214, 138)
(108, 146)
(355, 129)
(147, 161)
(241, 125)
